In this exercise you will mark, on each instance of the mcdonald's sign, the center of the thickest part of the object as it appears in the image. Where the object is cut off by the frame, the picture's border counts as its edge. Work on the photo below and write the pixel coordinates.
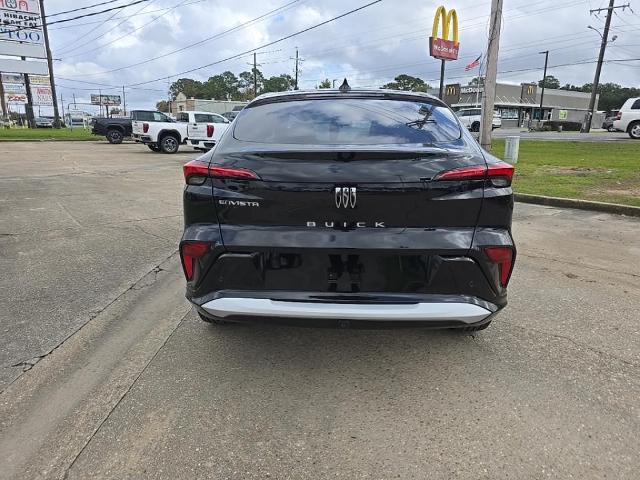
(443, 47)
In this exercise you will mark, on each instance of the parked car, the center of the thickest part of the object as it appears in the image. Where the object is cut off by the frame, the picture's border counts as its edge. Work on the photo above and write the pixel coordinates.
(117, 129)
(628, 119)
(44, 122)
(233, 113)
(345, 208)
(470, 118)
(194, 127)
(199, 124)
(608, 121)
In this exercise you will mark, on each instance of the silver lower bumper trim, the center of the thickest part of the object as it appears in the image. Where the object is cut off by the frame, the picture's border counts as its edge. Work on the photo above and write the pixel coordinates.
(264, 307)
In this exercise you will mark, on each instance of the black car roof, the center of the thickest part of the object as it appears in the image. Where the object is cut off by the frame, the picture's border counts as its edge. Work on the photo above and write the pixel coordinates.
(288, 96)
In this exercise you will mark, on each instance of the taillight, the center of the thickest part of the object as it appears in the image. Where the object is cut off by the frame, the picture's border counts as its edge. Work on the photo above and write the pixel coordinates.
(190, 252)
(619, 116)
(145, 127)
(210, 130)
(499, 173)
(195, 172)
(224, 172)
(503, 257)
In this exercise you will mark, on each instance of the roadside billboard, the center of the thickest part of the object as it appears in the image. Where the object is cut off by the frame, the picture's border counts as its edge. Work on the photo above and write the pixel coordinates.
(105, 99)
(12, 78)
(20, 22)
(443, 47)
(41, 95)
(16, 98)
(14, 88)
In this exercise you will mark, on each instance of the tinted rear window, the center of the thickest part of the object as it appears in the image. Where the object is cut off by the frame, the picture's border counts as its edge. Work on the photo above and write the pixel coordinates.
(347, 122)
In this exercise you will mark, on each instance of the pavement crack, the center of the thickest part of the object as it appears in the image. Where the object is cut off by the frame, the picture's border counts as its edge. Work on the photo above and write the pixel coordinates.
(576, 264)
(65, 476)
(580, 345)
(153, 234)
(29, 363)
(66, 210)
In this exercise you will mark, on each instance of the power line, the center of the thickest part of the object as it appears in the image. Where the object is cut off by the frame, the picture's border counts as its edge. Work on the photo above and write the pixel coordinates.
(127, 16)
(82, 8)
(262, 46)
(99, 47)
(122, 20)
(200, 42)
(92, 14)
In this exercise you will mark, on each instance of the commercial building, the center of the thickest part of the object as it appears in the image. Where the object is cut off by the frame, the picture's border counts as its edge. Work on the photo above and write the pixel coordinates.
(184, 104)
(518, 104)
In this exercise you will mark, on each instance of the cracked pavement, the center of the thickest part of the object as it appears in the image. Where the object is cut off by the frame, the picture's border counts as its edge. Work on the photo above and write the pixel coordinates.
(123, 380)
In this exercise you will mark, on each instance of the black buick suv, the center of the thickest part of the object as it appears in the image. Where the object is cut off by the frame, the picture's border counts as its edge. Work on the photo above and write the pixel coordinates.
(348, 208)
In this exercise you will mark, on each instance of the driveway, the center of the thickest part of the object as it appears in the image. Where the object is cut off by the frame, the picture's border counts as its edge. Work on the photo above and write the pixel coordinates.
(124, 381)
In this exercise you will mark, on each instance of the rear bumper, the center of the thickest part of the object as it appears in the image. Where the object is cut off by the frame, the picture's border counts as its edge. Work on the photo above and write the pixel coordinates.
(443, 314)
(141, 138)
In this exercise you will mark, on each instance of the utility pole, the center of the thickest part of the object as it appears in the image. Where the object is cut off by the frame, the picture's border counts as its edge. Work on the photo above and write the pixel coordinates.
(296, 82)
(489, 96)
(54, 97)
(28, 108)
(544, 80)
(124, 101)
(3, 103)
(62, 105)
(255, 76)
(586, 127)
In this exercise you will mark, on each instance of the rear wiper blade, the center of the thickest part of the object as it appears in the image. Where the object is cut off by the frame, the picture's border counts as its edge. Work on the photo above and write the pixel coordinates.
(423, 121)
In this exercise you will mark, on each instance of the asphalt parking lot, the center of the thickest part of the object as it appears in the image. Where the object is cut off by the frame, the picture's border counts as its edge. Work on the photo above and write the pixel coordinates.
(108, 373)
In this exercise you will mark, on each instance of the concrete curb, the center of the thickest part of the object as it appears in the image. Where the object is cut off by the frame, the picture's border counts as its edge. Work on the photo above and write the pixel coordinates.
(614, 208)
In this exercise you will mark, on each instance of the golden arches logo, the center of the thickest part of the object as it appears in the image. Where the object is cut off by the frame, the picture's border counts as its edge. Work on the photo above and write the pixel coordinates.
(447, 19)
(529, 89)
(451, 90)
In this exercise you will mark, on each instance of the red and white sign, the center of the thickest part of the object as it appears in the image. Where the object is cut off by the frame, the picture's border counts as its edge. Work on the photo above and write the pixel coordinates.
(16, 98)
(41, 95)
(443, 49)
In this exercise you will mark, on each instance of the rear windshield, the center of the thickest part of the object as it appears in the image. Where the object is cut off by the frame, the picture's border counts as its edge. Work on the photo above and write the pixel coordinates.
(347, 122)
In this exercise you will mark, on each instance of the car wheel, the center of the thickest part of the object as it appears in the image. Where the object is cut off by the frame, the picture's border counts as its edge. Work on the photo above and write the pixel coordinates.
(169, 144)
(213, 320)
(634, 130)
(114, 136)
(474, 328)
(611, 129)
(475, 127)
(154, 147)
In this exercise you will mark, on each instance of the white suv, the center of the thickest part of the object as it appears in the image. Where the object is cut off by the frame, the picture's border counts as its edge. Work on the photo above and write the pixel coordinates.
(470, 118)
(628, 119)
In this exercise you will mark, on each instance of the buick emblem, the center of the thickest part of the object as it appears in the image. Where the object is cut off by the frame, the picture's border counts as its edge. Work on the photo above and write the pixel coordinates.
(345, 197)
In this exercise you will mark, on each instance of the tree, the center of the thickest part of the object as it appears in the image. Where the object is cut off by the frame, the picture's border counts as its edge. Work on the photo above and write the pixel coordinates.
(407, 82)
(278, 83)
(162, 106)
(549, 82)
(221, 87)
(326, 83)
(245, 83)
(475, 81)
(189, 87)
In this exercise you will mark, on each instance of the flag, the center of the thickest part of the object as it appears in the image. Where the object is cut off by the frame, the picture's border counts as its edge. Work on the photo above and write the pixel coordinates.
(473, 64)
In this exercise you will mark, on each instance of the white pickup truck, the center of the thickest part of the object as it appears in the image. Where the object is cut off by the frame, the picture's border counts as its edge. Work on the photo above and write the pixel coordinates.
(471, 118)
(202, 130)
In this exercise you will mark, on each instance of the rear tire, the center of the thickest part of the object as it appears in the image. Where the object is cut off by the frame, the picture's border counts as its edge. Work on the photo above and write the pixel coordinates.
(474, 328)
(213, 320)
(169, 144)
(154, 148)
(475, 127)
(634, 130)
(611, 129)
(114, 136)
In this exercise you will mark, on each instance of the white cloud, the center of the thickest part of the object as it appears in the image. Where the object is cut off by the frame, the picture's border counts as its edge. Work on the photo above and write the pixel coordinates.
(369, 47)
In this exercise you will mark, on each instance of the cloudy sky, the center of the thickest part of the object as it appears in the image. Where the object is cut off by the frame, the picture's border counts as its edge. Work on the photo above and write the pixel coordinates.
(368, 47)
